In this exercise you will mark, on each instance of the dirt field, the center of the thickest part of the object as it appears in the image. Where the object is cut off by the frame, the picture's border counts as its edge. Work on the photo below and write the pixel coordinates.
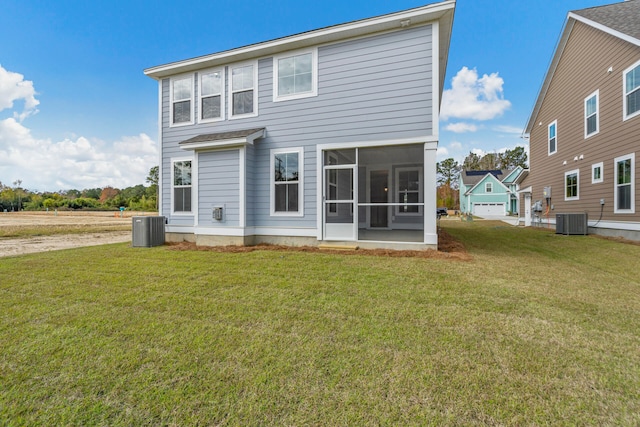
(42, 243)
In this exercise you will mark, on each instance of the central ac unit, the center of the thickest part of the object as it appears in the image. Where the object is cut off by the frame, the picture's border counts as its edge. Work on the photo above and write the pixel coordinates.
(572, 223)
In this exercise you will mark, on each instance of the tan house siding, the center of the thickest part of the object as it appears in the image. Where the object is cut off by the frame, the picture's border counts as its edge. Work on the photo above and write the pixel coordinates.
(584, 67)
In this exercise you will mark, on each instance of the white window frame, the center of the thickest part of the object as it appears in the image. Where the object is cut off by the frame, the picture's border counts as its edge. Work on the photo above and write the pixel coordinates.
(575, 172)
(172, 100)
(314, 75)
(488, 187)
(555, 125)
(221, 94)
(420, 190)
(626, 116)
(254, 113)
(595, 94)
(632, 210)
(595, 180)
(173, 186)
(272, 181)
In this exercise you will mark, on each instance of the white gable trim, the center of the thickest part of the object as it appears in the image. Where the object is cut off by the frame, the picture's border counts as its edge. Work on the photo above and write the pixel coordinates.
(484, 179)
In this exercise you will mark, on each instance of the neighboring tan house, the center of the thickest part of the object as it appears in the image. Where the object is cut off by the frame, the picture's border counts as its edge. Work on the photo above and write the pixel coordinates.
(490, 192)
(324, 136)
(584, 130)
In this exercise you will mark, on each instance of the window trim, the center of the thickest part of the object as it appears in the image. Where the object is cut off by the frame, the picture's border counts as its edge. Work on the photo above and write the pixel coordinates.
(555, 125)
(314, 75)
(222, 91)
(626, 116)
(173, 186)
(575, 172)
(595, 94)
(272, 182)
(595, 180)
(189, 76)
(632, 210)
(230, 114)
(420, 190)
(488, 187)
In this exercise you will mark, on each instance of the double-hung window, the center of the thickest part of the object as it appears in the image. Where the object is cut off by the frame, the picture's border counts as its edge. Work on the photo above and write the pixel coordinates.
(552, 137)
(295, 75)
(409, 190)
(631, 83)
(571, 183)
(242, 90)
(211, 95)
(181, 180)
(287, 182)
(488, 187)
(624, 196)
(591, 113)
(181, 100)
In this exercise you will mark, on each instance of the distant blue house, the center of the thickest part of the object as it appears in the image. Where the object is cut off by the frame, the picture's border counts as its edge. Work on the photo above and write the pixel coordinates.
(490, 192)
(327, 136)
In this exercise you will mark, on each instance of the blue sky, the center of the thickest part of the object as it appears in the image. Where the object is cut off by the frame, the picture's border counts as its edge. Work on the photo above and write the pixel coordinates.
(76, 110)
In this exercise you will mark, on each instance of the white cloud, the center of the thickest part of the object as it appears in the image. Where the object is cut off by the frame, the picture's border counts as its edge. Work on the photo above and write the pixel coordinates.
(442, 152)
(456, 145)
(474, 98)
(75, 162)
(461, 127)
(45, 165)
(13, 87)
(508, 129)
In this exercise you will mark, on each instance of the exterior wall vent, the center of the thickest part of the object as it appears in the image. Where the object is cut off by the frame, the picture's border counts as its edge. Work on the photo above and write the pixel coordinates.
(572, 224)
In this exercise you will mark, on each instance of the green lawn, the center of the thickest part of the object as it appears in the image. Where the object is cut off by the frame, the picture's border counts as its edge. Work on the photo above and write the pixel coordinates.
(536, 329)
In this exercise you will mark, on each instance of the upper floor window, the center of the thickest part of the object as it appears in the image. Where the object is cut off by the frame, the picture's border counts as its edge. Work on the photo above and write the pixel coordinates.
(632, 91)
(181, 100)
(211, 95)
(488, 187)
(591, 111)
(552, 137)
(243, 91)
(295, 75)
(287, 182)
(571, 182)
(624, 196)
(181, 183)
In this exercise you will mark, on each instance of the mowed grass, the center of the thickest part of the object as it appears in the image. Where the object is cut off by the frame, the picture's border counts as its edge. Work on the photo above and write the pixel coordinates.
(536, 329)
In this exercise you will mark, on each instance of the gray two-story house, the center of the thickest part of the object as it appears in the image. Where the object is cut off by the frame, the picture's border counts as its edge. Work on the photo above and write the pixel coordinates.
(324, 137)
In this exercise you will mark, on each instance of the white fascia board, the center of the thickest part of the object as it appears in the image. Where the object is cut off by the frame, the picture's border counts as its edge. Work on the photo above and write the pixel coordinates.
(393, 21)
(605, 29)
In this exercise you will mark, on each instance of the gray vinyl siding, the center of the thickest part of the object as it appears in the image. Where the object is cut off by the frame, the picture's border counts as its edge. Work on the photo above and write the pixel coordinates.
(583, 69)
(369, 89)
(219, 186)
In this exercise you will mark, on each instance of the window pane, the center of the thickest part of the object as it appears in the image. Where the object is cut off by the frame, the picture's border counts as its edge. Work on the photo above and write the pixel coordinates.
(286, 85)
(286, 67)
(286, 167)
(243, 102)
(292, 197)
(182, 173)
(295, 74)
(624, 196)
(182, 112)
(211, 107)
(211, 84)
(552, 131)
(592, 124)
(633, 102)
(597, 173)
(182, 199)
(303, 83)
(624, 172)
(552, 145)
(632, 79)
(181, 89)
(242, 78)
(303, 63)
(286, 198)
(591, 106)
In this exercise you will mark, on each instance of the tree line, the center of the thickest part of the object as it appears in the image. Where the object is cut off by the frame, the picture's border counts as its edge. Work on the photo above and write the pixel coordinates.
(448, 172)
(138, 197)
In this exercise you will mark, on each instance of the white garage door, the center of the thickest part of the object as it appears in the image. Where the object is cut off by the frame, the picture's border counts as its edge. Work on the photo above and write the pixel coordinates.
(488, 209)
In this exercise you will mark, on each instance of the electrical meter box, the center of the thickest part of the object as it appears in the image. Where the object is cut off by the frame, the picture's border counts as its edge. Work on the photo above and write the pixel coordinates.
(546, 192)
(217, 213)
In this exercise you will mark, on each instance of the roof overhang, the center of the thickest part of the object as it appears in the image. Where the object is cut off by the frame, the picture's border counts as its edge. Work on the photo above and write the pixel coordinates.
(441, 12)
(219, 140)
